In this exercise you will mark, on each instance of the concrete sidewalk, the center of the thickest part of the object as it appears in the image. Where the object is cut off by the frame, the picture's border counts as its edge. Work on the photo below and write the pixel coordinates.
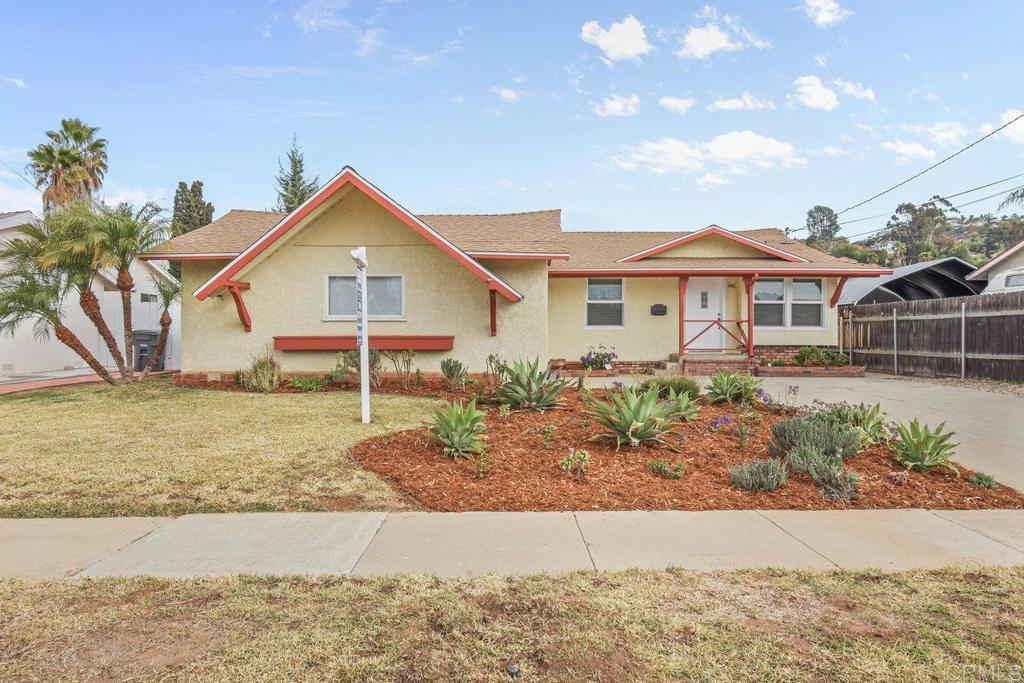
(475, 543)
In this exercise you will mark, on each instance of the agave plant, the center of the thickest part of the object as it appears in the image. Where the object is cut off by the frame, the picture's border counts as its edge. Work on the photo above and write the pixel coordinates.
(922, 448)
(531, 386)
(732, 387)
(459, 428)
(634, 418)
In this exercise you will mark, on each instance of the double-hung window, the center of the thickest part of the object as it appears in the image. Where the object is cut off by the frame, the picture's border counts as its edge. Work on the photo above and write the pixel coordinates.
(789, 303)
(604, 302)
(385, 296)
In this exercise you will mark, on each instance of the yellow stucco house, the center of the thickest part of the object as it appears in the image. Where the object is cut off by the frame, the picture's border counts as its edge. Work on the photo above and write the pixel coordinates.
(467, 286)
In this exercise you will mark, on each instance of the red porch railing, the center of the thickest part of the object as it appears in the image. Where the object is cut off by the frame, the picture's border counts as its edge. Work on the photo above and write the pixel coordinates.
(740, 339)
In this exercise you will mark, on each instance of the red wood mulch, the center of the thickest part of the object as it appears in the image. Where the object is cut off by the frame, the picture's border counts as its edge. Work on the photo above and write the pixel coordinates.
(525, 476)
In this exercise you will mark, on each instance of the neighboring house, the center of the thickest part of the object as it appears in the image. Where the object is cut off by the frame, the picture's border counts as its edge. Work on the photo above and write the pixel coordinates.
(1004, 271)
(467, 286)
(937, 279)
(22, 353)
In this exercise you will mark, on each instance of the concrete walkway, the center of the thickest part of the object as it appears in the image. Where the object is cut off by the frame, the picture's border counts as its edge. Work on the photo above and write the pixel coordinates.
(475, 543)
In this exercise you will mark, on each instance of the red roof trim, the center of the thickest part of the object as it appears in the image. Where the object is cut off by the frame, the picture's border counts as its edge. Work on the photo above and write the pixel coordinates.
(348, 176)
(189, 257)
(711, 230)
(672, 272)
(383, 342)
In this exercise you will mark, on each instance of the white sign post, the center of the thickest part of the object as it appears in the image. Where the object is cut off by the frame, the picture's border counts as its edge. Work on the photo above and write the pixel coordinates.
(362, 332)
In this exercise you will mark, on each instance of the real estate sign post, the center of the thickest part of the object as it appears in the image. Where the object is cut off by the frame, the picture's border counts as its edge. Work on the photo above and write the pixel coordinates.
(362, 332)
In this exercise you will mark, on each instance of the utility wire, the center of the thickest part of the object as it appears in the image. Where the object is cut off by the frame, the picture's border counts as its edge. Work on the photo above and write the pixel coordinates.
(935, 165)
(957, 208)
(30, 183)
(946, 197)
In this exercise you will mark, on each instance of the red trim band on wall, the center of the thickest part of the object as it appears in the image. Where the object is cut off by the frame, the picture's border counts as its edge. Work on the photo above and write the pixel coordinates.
(381, 342)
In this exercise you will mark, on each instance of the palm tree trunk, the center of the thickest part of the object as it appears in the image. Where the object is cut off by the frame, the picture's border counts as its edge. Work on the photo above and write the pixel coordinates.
(91, 307)
(125, 283)
(161, 342)
(68, 338)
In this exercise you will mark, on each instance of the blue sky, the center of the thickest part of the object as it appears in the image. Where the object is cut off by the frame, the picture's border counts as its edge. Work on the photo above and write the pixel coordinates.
(655, 115)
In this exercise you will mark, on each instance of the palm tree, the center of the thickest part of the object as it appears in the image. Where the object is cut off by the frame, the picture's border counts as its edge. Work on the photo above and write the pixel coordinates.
(122, 234)
(30, 292)
(68, 243)
(1015, 197)
(71, 166)
(169, 292)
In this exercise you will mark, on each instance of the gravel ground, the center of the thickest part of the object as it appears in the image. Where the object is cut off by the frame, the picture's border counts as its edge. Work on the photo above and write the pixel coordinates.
(995, 386)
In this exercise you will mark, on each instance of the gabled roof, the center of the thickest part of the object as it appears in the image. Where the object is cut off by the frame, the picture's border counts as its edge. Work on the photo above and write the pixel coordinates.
(345, 179)
(1005, 253)
(16, 219)
(711, 230)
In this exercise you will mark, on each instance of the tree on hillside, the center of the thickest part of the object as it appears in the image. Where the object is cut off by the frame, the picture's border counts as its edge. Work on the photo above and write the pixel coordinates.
(292, 186)
(822, 228)
(71, 165)
(191, 211)
(917, 233)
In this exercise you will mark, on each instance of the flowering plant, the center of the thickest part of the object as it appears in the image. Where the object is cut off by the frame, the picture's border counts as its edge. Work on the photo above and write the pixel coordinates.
(598, 359)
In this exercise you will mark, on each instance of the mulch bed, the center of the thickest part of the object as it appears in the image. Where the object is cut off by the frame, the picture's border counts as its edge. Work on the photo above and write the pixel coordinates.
(524, 475)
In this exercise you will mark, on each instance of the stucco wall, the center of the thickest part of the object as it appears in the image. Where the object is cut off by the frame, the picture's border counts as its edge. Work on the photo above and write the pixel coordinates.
(647, 337)
(287, 297)
(1012, 261)
(711, 246)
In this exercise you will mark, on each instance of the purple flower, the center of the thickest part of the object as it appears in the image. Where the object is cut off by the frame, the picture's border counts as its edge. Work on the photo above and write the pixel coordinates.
(617, 385)
(725, 419)
(716, 424)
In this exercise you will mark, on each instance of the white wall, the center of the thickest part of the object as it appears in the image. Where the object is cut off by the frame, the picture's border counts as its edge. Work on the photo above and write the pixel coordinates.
(23, 354)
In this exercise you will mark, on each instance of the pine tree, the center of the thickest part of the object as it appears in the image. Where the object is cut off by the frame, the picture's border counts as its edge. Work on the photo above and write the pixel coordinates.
(292, 187)
(191, 211)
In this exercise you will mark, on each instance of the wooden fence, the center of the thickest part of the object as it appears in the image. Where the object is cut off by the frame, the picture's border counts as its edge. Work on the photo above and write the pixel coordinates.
(968, 336)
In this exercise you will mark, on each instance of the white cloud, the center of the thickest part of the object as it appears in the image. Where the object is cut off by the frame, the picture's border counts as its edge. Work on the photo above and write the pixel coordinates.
(17, 195)
(852, 89)
(811, 92)
(617, 105)
(507, 94)
(825, 13)
(135, 195)
(744, 101)
(930, 96)
(908, 151)
(679, 105)
(833, 151)
(700, 42)
(458, 99)
(822, 60)
(622, 40)
(16, 82)
(314, 16)
(370, 41)
(943, 133)
(1015, 132)
(731, 153)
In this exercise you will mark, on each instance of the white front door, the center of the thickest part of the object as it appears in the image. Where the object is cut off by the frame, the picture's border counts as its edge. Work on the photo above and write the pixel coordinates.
(703, 305)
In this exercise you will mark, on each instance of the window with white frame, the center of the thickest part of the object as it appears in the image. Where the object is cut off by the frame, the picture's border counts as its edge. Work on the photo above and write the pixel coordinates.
(604, 302)
(789, 302)
(385, 295)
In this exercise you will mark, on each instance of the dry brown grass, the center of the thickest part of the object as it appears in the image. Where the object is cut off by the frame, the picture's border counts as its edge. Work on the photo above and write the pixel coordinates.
(636, 625)
(157, 449)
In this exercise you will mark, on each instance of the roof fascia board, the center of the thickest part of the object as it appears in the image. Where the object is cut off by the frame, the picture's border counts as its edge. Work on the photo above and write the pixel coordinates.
(712, 230)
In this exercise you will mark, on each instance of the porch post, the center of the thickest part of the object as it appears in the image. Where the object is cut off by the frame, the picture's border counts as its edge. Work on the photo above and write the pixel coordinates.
(494, 313)
(683, 279)
(748, 285)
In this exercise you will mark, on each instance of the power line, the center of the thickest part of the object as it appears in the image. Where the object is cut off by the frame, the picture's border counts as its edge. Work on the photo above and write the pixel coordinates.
(935, 165)
(946, 197)
(957, 208)
(30, 183)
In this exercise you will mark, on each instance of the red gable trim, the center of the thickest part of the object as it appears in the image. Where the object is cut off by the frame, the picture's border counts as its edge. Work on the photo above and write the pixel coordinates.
(672, 272)
(711, 230)
(348, 176)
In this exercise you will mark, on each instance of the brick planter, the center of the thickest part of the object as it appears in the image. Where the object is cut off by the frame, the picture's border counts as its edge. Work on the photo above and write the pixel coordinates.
(809, 371)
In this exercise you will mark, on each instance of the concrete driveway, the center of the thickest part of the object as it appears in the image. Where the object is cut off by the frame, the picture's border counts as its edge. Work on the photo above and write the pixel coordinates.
(988, 426)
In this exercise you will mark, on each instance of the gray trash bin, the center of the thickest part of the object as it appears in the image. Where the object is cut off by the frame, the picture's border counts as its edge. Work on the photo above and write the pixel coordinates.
(145, 345)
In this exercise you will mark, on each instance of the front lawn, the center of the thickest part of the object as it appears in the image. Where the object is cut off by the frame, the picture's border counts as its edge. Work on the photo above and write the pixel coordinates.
(157, 449)
(588, 626)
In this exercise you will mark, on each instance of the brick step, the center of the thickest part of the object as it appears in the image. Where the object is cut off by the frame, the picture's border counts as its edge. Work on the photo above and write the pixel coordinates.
(710, 364)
